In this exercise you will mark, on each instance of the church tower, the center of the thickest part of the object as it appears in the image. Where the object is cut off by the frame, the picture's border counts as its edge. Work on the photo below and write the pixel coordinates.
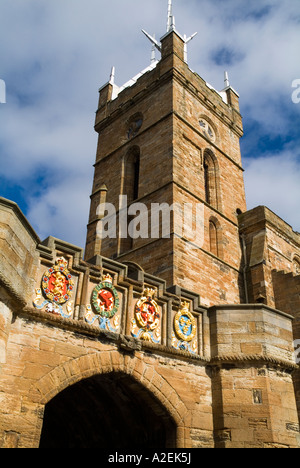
(168, 183)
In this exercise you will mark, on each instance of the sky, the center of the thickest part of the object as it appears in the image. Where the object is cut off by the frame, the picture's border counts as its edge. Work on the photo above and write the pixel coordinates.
(55, 55)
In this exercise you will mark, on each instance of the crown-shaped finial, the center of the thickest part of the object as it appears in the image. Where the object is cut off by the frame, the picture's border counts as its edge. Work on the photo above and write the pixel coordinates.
(61, 262)
(185, 306)
(148, 292)
(107, 278)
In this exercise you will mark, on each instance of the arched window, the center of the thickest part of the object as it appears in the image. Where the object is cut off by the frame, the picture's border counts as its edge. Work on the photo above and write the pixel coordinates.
(132, 174)
(206, 182)
(215, 237)
(211, 188)
(131, 171)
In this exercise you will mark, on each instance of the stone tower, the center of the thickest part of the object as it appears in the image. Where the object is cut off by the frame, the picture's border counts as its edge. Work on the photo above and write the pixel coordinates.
(168, 139)
(176, 330)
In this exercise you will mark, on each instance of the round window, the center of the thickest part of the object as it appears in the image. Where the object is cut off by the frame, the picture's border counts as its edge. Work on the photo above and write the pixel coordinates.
(207, 129)
(134, 126)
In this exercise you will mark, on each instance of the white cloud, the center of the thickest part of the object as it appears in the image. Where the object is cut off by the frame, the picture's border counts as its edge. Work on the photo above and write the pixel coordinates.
(273, 181)
(61, 211)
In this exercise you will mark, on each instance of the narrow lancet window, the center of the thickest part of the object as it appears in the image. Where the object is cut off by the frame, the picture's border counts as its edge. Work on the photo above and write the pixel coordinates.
(211, 190)
(213, 239)
(132, 175)
(131, 192)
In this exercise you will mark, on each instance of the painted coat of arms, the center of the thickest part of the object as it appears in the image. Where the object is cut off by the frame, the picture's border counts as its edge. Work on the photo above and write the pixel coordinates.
(146, 323)
(57, 287)
(185, 330)
(104, 305)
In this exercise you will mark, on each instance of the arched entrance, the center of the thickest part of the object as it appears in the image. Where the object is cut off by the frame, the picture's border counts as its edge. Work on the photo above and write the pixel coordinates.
(108, 411)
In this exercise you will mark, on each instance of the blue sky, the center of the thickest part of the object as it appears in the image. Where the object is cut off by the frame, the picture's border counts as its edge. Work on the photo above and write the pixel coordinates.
(55, 55)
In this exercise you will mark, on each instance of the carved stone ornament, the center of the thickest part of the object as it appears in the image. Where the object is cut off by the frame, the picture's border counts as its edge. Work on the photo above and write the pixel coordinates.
(185, 328)
(104, 306)
(105, 299)
(57, 283)
(147, 318)
(185, 323)
(57, 287)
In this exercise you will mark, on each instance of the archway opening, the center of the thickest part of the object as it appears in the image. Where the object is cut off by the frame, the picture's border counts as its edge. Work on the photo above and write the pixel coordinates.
(111, 411)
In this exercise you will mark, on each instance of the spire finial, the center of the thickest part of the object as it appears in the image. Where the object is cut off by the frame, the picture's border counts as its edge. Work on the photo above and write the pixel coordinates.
(2, 92)
(153, 57)
(171, 19)
(153, 40)
(112, 76)
(186, 41)
(170, 28)
(226, 80)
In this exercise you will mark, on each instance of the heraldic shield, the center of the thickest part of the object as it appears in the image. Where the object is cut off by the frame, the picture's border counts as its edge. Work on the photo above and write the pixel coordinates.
(146, 321)
(104, 306)
(57, 287)
(185, 330)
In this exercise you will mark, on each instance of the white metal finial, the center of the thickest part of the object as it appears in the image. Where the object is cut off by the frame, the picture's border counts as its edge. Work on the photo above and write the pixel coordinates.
(112, 76)
(153, 40)
(173, 23)
(226, 80)
(170, 28)
(2, 92)
(170, 16)
(186, 41)
(153, 57)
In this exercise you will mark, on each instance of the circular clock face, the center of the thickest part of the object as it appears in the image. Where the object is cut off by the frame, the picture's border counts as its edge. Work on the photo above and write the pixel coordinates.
(134, 126)
(207, 129)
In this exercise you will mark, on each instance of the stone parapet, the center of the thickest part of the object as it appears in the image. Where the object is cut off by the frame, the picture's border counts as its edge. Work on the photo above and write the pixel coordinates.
(251, 330)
